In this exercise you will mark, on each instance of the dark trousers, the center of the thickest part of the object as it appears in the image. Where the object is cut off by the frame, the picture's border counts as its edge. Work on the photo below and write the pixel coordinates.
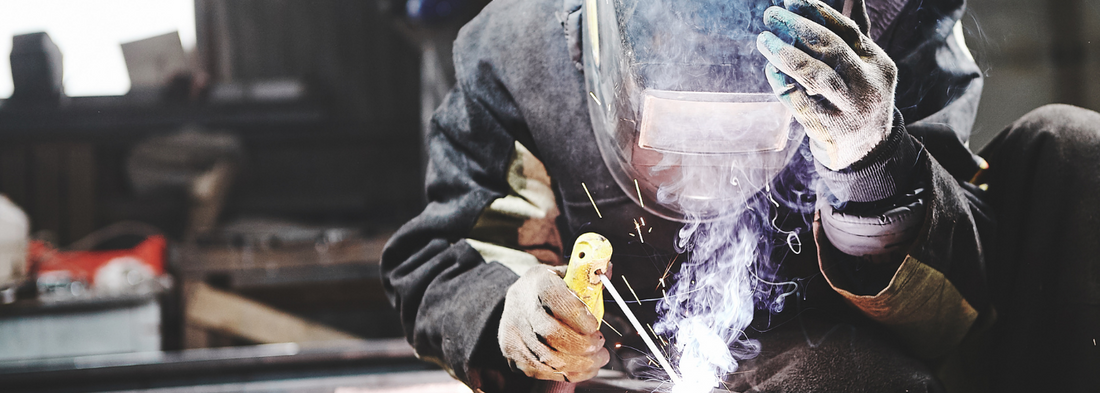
(1043, 269)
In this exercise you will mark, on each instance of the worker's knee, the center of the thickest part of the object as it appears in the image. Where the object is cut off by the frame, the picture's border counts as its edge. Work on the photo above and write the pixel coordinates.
(1063, 125)
(1052, 136)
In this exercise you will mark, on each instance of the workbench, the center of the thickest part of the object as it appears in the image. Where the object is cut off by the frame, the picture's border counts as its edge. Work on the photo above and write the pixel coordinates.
(372, 366)
(323, 286)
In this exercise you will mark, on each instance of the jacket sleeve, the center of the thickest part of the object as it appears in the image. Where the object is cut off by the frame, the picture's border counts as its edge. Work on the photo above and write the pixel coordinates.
(490, 216)
(934, 297)
(938, 81)
(932, 294)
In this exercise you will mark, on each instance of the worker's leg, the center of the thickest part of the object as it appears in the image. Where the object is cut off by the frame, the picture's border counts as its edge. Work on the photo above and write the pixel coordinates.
(817, 355)
(1044, 266)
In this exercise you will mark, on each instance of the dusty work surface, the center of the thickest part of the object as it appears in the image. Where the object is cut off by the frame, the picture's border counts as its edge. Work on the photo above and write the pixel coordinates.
(429, 381)
(357, 366)
(287, 367)
(425, 381)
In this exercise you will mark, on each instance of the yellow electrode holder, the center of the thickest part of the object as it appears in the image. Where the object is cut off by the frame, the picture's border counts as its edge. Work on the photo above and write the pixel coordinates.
(591, 258)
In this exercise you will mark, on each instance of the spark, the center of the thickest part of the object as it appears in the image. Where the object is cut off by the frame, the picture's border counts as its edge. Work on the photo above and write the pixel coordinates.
(642, 219)
(593, 95)
(639, 229)
(612, 328)
(667, 268)
(638, 326)
(591, 200)
(656, 335)
(631, 289)
(640, 200)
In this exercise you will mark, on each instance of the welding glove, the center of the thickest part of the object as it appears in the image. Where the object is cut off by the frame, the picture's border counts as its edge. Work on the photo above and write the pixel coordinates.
(837, 81)
(546, 332)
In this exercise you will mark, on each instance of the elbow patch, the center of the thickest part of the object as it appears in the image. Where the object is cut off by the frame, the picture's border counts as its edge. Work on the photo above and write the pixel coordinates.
(521, 227)
(515, 260)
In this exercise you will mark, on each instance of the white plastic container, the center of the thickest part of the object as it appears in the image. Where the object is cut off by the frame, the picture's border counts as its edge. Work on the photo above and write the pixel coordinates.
(14, 229)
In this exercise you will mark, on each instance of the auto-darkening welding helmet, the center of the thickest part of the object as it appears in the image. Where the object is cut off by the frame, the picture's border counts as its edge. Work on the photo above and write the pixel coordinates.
(682, 111)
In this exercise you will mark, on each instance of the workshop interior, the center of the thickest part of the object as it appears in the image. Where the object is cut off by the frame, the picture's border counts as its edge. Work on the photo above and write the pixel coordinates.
(196, 194)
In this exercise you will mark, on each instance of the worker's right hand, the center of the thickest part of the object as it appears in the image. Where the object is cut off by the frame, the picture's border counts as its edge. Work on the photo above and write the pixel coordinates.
(546, 332)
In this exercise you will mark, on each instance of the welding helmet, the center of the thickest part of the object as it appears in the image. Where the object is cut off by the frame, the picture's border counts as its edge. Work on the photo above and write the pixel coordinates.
(682, 111)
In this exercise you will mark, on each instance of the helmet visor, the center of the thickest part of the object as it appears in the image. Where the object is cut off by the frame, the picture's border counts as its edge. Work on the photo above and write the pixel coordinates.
(712, 123)
(680, 105)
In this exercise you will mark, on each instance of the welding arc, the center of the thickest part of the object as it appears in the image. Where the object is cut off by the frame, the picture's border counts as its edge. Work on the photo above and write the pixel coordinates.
(641, 330)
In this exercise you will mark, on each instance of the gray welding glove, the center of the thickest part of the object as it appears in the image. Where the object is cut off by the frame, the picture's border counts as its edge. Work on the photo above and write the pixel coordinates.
(837, 81)
(546, 332)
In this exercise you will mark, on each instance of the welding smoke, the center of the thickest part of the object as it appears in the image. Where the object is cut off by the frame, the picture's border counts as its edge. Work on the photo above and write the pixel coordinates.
(729, 273)
(711, 301)
(729, 209)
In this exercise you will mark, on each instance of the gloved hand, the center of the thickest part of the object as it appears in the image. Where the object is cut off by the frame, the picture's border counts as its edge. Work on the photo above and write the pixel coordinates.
(837, 81)
(547, 332)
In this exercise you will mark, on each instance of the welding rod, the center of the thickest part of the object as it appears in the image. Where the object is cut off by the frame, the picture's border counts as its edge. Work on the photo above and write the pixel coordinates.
(641, 330)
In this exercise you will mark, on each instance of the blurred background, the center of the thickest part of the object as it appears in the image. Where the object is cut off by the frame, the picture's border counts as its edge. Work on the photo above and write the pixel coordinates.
(1033, 53)
(197, 191)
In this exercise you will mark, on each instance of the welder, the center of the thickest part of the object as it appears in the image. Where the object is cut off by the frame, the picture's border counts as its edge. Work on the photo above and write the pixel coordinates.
(920, 265)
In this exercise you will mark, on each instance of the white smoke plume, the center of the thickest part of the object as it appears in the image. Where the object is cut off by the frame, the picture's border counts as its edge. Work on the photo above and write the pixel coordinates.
(728, 273)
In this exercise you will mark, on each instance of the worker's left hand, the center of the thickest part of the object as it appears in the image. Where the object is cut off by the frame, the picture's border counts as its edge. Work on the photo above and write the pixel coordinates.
(837, 81)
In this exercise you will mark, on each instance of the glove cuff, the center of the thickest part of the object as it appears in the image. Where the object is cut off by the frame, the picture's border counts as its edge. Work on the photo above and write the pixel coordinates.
(883, 173)
(892, 231)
